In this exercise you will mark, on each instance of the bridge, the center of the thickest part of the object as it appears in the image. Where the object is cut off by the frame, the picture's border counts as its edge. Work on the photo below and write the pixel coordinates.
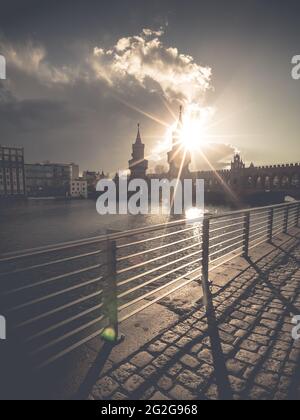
(277, 180)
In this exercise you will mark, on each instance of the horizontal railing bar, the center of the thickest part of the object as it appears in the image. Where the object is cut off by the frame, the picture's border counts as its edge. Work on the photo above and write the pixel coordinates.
(294, 216)
(254, 222)
(63, 323)
(58, 309)
(100, 239)
(139, 276)
(212, 268)
(253, 225)
(125, 234)
(277, 226)
(70, 349)
(251, 210)
(157, 299)
(47, 264)
(226, 227)
(260, 216)
(68, 335)
(225, 255)
(214, 223)
(11, 256)
(52, 279)
(227, 240)
(279, 220)
(141, 286)
(227, 247)
(138, 254)
(178, 232)
(276, 232)
(260, 234)
(261, 229)
(213, 238)
(52, 295)
(162, 257)
(257, 244)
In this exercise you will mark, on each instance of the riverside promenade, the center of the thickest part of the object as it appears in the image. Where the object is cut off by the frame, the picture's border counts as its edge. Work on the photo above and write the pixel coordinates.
(245, 349)
(205, 309)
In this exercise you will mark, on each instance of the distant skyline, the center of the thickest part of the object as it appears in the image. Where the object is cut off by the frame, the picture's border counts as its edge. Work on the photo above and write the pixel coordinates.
(82, 74)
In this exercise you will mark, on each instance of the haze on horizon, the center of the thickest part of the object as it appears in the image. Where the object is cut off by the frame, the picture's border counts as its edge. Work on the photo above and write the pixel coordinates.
(82, 74)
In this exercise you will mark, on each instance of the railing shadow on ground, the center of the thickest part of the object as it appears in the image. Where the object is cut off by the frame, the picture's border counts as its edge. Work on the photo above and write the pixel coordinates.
(94, 372)
(286, 302)
(221, 372)
(219, 359)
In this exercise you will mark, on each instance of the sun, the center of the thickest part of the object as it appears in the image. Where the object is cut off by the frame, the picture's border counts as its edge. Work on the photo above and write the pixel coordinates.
(192, 134)
(195, 121)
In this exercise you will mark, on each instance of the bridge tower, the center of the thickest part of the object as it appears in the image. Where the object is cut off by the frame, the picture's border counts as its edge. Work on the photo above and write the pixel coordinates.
(237, 163)
(179, 158)
(138, 165)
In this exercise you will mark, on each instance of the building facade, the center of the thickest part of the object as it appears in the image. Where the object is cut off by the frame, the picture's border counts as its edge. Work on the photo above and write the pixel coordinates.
(48, 179)
(74, 171)
(79, 188)
(12, 172)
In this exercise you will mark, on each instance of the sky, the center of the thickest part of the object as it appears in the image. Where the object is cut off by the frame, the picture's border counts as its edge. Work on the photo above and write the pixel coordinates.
(82, 74)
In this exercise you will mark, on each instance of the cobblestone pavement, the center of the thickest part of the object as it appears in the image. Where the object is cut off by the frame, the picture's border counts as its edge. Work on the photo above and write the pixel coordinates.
(253, 327)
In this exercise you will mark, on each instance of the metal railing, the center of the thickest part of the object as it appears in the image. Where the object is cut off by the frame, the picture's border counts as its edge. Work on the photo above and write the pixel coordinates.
(57, 299)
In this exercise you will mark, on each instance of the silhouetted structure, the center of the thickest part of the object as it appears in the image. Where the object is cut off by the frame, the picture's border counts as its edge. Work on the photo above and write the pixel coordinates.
(236, 183)
(138, 165)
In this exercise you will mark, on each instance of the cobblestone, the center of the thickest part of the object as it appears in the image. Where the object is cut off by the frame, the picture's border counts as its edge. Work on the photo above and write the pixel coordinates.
(260, 357)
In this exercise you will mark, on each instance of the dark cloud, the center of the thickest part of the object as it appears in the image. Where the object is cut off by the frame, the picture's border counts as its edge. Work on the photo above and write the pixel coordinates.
(54, 104)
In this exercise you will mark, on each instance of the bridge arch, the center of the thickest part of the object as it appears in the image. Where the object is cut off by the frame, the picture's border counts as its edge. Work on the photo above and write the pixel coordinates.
(285, 181)
(259, 182)
(276, 181)
(295, 181)
(267, 182)
(250, 181)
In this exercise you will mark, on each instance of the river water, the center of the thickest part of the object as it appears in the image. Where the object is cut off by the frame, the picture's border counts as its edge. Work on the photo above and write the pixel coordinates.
(34, 223)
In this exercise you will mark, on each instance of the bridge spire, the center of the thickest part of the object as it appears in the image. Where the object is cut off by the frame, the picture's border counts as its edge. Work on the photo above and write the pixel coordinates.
(180, 119)
(138, 137)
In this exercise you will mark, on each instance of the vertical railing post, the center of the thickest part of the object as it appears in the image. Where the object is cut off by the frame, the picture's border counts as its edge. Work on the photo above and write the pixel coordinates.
(110, 298)
(286, 219)
(271, 225)
(205, 266)
(247, 235)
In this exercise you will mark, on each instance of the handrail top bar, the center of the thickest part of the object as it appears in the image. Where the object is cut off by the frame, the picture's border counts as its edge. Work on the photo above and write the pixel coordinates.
(125, 234)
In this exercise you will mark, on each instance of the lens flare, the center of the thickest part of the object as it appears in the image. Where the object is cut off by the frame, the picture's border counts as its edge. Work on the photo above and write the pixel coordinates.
(194, 213)
(193, 132)
(109, 334)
